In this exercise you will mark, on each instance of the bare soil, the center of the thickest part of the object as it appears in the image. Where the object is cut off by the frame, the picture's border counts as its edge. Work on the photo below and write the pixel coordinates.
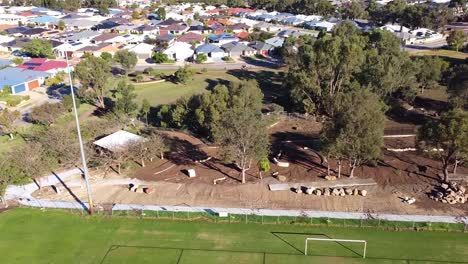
(397, 174)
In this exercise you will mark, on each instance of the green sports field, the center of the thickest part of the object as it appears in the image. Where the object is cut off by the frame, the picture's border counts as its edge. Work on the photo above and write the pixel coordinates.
(35, 236)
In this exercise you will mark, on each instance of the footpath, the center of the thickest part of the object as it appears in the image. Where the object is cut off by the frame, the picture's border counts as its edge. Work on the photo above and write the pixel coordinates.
(23, 195)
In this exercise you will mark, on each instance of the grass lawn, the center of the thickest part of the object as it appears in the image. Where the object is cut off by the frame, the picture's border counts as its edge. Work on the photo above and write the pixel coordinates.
(34, 236)
(168, 92)
(6, 143)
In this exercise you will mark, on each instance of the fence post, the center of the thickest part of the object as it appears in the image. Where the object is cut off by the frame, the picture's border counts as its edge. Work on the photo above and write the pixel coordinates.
(246, 218)
(172, 215)
(262, 219)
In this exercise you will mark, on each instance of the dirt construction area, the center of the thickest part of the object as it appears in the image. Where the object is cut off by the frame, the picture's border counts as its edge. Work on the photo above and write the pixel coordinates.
(397, 174)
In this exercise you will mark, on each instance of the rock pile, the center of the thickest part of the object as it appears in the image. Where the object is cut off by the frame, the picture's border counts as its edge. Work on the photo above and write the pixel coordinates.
(330, 191)
(450, 193)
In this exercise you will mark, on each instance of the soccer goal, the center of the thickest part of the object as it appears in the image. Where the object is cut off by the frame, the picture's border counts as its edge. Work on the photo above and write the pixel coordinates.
(336, 240)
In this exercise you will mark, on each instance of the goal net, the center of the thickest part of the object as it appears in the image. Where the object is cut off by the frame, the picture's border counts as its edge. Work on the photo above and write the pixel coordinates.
(336, 240)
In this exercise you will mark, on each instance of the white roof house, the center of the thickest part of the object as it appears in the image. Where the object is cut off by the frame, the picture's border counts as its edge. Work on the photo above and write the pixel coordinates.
(4, 39)
(179, 51)
(118, 140)
(395, 28)
(143, 50)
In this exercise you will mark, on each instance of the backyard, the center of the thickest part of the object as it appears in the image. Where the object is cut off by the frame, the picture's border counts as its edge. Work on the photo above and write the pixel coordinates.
(36, 236)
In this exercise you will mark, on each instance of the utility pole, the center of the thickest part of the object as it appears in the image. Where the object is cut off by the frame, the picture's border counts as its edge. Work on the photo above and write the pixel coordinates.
(83, 157)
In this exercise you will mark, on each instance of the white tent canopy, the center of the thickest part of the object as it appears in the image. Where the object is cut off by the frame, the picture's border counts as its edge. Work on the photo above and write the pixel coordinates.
(118, 140)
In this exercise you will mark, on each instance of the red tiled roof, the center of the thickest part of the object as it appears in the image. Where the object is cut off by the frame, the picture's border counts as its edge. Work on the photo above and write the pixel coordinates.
(191, 37)
(213, 11)
(236, 10)
(26, 14)
(42, 64)
(242, 35)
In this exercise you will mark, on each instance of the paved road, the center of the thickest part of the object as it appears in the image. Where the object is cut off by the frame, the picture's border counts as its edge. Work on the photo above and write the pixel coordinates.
(248, 63)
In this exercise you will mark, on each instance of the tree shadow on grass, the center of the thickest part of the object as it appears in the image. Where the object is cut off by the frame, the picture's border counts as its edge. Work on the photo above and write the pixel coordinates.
(270, 83)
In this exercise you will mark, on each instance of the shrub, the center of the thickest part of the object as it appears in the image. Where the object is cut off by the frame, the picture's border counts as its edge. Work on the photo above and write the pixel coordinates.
(201, 58)
(227, 59)
(139, 78)
(160, 57)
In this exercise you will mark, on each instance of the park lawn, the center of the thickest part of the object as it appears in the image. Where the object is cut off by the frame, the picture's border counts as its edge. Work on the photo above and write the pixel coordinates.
(169, 92)
(6, 143)
(50, 236)
(442, 53)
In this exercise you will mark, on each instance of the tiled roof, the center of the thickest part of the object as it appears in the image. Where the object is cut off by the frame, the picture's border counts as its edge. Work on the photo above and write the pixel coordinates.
(42, 64)
(191, 37)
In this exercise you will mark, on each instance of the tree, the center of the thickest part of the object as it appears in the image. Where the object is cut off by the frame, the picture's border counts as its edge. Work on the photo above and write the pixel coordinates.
(323, 68)
(17, 61)
(394, 11)
(46, 114)
(353, 10)
(148, 149)
(56, 80)
(125, 99)
(7, 119)
(93, 74)
(67, 102)
(263, 166)
(430, 70)
(183, 75)
(446, 138)
(145, 109)
(61, 25)
(106, 56)
(39, 48)
(161, 13)
(356, 130)
(127, 59)
(458, 87)
(60, 143)
(241, 133)
(159, 57)
(135, 14)
(456, 39)
(201, 58)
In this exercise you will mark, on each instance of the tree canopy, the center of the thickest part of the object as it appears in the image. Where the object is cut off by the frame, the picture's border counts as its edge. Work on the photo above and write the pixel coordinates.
(333, 64)
(93, 74)
(127, 59)
(446, 138)
(355, 132)
(39, 48)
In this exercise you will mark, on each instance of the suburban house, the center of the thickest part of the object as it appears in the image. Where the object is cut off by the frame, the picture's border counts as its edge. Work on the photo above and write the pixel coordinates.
(179, 51)
(19, 80)
(45, 65)
(239, 27)
(275, 42)
(236, 49)
(200, 29)
(143, 51)
(105, 37)
(222, 39)
(191, 37)
(176, 29)
(213, 52)
(261, 47)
